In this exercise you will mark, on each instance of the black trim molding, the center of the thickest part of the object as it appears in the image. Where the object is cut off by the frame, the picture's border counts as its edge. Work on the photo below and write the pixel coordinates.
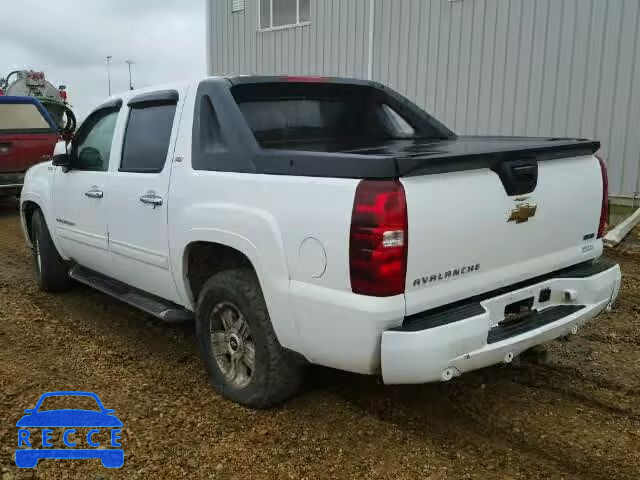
(111, 104)
(161, 96)
(223, 141)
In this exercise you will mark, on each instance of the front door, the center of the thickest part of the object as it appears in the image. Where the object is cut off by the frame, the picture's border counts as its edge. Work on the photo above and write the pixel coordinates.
(81, 196)
(138, 214)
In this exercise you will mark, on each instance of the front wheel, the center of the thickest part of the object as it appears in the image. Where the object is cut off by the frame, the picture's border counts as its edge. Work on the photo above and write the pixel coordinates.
(51, 269)
(244, 359)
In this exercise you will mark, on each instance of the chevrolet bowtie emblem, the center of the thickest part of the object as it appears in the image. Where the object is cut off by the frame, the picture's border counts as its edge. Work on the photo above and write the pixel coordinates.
(522, 213)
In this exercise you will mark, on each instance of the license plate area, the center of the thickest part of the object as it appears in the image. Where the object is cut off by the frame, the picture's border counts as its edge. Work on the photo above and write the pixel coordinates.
(518, 311)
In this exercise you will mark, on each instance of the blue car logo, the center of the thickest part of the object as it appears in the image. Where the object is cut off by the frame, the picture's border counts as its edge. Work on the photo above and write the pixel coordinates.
(67, 419)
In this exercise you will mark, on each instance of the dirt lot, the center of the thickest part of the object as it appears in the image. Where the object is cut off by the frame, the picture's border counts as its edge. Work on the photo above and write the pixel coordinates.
(578, 417)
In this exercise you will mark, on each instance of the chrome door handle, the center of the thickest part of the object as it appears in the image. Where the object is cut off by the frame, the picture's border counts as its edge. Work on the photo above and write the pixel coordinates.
(94, 194)
(151, 199)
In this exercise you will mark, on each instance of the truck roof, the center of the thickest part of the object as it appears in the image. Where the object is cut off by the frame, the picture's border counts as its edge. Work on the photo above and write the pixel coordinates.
(233, 79)
(243, 79)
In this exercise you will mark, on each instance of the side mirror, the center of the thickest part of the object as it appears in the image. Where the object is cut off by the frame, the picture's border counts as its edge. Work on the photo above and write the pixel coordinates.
(62, 160)
(61, 157)
(61, 147)
(29, 410)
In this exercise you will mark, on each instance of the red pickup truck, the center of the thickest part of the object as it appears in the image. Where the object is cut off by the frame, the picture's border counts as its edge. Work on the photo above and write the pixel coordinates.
(28, 136)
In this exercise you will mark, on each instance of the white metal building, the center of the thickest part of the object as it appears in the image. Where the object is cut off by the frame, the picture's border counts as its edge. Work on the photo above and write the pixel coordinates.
(504, 67)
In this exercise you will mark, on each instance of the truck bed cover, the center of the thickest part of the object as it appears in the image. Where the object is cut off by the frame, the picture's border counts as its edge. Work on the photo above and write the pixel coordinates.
(409, 157)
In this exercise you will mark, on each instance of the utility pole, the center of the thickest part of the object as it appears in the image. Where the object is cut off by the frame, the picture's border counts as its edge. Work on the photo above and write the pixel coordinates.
(129, 62)
(109, 72)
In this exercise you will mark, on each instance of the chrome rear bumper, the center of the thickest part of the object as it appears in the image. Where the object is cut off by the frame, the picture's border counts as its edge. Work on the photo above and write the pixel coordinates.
(475, 335)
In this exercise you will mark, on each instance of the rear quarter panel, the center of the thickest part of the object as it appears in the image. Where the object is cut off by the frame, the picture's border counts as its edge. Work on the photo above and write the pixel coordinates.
(268, 218)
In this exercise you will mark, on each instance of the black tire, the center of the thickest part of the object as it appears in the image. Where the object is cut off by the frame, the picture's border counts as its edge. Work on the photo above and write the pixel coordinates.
(277, 373)
(52, 272)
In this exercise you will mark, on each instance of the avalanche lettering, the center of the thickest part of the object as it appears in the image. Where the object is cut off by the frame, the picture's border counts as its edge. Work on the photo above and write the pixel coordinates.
(437, 277)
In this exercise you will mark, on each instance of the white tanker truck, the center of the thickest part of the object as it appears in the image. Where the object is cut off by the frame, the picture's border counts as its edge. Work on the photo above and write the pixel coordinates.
(28, 83)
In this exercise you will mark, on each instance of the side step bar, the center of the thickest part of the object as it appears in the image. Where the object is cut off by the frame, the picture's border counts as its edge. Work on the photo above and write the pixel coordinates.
(158, 307)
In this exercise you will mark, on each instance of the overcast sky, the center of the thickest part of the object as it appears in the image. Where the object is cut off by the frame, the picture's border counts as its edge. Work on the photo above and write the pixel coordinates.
(70, 39)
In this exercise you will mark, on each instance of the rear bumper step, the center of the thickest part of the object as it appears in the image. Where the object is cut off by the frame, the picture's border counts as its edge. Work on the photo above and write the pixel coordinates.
(441, 344)
(535, 320)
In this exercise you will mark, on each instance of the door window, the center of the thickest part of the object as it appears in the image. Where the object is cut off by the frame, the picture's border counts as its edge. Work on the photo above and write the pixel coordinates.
(92, 148)
(146, 141)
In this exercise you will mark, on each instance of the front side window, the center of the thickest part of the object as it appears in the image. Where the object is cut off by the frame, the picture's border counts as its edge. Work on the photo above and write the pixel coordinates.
(92, 148)
(282, 13)
(146, 141)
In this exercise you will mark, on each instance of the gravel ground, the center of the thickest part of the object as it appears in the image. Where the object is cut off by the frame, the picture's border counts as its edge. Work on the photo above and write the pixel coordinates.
(577, 417)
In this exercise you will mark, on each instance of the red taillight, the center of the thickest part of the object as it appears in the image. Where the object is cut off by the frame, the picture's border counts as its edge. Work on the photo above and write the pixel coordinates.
(379, 238)
(604, 211)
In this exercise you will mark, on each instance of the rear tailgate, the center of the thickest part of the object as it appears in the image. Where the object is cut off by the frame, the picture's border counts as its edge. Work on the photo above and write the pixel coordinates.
(27, 134)
(479, 227)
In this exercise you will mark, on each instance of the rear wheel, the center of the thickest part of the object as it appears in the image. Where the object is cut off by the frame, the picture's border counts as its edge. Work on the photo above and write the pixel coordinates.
(243, 357)
(51, 269)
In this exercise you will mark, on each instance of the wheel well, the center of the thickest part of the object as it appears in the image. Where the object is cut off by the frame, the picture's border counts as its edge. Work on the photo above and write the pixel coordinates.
(29, 208)
(204, 259)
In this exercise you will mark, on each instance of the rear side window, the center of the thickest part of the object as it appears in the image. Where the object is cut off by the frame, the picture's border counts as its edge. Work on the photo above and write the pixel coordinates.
(146, 141)
(26, 117)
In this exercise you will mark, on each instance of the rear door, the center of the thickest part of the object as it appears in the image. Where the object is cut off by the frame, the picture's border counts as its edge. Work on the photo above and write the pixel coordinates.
(81, 194)
(138, 213)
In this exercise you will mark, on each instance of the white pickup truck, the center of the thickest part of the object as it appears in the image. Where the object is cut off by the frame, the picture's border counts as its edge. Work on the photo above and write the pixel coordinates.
(328, 221)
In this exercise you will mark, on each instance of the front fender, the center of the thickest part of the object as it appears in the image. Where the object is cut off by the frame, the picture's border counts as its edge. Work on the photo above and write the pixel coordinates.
(37, 189)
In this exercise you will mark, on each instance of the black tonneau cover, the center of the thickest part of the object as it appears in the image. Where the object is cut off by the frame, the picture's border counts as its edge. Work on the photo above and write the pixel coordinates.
(409, 157)
(469, 153)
